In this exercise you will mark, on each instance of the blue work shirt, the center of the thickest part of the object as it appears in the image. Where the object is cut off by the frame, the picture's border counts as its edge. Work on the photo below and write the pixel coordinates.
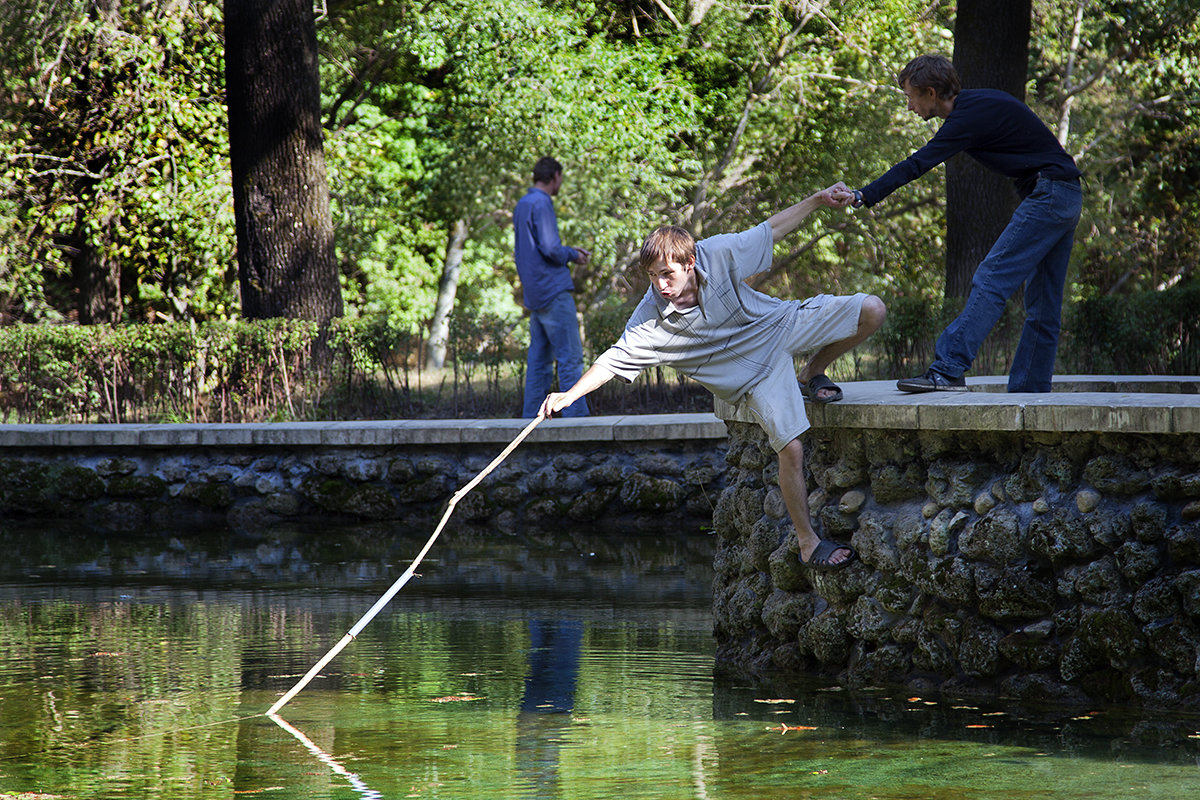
(998, 131)
(541, 256)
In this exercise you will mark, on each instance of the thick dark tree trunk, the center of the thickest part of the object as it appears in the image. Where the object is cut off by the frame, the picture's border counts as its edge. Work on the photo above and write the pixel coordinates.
(286, 263)
(991, 51)
(96, 276)
(95, 272)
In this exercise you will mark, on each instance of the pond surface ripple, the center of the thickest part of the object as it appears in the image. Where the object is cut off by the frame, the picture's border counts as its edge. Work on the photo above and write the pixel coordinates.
(559, 665)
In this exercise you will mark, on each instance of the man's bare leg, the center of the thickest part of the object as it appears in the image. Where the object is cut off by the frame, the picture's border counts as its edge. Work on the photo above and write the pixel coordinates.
(795, 497)
(871, 316)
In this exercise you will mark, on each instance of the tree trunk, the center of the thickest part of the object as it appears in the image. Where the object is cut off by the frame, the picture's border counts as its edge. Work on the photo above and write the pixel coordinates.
(96, 276)
(1063, 129)
(439, 328)
(286, 264)
(991, 50)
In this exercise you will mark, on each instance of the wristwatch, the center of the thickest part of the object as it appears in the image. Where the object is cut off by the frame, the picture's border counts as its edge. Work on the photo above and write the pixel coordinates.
(858, 200)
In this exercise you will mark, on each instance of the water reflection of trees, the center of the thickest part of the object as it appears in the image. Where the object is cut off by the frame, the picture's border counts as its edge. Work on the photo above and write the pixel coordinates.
(580, 563)
(135, 654)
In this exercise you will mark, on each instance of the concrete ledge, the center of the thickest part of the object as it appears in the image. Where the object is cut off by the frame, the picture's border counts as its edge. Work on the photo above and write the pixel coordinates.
(627, 428)
(1079, 403)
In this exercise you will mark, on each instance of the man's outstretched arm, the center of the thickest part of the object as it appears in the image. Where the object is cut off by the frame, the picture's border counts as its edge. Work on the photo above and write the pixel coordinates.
(595, 377)
(786, 221)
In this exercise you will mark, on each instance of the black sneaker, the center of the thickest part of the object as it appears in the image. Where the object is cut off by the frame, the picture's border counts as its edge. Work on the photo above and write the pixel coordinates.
(932, 381)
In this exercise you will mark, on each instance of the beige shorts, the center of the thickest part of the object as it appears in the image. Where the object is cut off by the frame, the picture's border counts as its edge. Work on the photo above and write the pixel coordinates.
(776, 402)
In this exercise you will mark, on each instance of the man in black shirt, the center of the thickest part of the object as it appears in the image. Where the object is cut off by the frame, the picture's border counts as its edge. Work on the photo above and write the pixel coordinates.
(1003, 134)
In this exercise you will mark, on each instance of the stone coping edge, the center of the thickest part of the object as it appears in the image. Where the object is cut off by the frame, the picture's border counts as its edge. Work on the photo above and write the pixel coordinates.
(637, 428)
(1077, 404)
(1147, 404)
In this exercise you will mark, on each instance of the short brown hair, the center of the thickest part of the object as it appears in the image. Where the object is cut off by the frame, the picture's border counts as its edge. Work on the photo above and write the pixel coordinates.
(931, 72)
(668, 243)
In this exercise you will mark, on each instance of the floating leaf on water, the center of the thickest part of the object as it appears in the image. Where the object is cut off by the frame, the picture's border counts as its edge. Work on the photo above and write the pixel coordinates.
(456, 698)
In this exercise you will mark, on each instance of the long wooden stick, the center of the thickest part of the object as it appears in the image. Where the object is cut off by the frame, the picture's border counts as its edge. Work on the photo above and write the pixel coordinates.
(408, 573)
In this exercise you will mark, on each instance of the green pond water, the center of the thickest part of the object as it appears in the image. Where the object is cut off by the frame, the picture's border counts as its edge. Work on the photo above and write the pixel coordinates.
(561, 665)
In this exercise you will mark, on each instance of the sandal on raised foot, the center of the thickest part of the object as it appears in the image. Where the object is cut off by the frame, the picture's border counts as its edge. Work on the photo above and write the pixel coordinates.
(819, 560)
(816, 384)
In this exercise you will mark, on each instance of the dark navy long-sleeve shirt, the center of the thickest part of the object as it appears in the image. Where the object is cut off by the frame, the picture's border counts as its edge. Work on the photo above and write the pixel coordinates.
(998, 131)
(541, 256)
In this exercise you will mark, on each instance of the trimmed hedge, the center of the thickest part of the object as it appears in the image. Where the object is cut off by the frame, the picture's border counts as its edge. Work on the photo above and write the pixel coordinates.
(214, 372)
(264, 370)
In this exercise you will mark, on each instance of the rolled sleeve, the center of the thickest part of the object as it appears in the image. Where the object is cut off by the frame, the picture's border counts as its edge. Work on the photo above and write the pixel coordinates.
(632, 354)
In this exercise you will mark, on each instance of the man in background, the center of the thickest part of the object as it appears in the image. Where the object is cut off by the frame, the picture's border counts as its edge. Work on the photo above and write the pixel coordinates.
(543, 264)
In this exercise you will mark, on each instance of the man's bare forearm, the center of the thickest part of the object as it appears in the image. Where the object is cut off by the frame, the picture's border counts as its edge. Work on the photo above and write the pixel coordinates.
(786, 221)
(595, 377)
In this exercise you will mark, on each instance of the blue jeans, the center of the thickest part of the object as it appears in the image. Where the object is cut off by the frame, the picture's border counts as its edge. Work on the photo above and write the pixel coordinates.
(1033, 250)
(553, 337)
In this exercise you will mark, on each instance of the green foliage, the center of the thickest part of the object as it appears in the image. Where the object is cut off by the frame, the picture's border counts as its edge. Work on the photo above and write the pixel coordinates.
(1131, 93)
(606, 324)
(261, 370)
(214, 372)
(1147, 333)
(471, 93)
(119, 151)
(710, 115)
(366, 347)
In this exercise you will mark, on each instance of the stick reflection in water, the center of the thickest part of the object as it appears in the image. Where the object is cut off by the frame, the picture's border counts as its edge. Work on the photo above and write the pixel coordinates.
(355, 781)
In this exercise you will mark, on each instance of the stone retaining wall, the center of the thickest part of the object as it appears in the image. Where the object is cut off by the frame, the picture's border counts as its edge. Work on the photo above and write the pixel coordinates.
(1043, 565)
(636, 475)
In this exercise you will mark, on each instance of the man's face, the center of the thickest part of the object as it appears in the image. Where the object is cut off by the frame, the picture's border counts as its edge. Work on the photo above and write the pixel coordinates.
(675, 281)
(922, 101)
(555, 184)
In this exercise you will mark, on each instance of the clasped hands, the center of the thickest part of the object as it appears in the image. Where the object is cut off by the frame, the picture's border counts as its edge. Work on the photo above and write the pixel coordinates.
(838, 196)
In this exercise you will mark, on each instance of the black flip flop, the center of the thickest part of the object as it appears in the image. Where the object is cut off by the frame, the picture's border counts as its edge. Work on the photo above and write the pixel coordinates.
(819, 560)
(816, 384)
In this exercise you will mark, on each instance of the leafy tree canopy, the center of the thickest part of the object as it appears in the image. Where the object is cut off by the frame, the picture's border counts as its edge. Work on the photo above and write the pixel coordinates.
(710, 115)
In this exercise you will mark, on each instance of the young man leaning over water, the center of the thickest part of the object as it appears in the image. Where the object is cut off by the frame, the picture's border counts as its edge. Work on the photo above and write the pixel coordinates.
(699, 317)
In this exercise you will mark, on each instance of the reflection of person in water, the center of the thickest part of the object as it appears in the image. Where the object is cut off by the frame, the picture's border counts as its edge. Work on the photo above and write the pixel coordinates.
(554, 648)
(553, 665)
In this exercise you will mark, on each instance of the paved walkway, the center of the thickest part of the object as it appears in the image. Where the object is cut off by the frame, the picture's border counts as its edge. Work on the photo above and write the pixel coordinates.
(1138, 404)
(1126, 404)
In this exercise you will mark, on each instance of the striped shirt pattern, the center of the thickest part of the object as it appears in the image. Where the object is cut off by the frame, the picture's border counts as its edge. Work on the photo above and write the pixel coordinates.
(727, 342)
